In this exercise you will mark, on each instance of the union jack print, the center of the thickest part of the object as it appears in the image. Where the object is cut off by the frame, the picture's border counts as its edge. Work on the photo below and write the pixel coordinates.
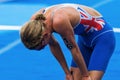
(91, 23)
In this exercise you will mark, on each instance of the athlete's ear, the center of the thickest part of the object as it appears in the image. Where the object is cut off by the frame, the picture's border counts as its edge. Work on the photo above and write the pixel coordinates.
(46, 35)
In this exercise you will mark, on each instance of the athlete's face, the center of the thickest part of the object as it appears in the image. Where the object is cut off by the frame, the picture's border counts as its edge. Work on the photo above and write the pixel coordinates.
(43, 43)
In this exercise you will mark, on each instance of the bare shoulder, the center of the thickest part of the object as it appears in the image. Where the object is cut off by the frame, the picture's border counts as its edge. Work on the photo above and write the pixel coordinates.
(58, 18)
(60, 22)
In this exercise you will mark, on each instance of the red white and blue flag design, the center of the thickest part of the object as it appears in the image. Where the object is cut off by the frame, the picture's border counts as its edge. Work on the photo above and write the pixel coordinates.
(91, 23)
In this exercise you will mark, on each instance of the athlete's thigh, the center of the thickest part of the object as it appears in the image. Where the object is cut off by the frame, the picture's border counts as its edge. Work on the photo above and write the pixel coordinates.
(102, 52)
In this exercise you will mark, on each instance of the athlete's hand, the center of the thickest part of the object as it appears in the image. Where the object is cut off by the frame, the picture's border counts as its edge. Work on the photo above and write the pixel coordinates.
(86, 78)
(69, 77)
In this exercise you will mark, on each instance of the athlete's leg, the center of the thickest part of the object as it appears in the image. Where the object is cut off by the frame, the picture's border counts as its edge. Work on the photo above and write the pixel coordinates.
(96, 75)
(99, 59)
(103, 50)
(76, 73)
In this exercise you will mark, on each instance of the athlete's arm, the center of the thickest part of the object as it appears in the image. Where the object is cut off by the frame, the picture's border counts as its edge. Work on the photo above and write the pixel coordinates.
(63, 27)
(57, 52)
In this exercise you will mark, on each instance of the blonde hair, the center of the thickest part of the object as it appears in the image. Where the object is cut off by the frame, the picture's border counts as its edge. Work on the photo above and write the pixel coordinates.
(31, 32)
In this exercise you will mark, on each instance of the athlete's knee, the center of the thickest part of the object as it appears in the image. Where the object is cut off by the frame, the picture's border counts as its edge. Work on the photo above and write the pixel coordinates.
(76, 73)
(96, 75)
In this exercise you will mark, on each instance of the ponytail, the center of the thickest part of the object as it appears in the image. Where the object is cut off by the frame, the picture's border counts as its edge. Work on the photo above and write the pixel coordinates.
(40, 17)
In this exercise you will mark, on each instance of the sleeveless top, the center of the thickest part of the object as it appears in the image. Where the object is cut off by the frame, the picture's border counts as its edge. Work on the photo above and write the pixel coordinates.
(89, 27)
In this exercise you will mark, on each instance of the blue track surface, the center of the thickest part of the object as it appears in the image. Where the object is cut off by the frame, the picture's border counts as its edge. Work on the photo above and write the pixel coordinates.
(19, 63)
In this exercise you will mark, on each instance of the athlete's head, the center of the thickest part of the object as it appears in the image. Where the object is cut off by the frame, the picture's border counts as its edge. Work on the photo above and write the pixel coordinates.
(32, 33)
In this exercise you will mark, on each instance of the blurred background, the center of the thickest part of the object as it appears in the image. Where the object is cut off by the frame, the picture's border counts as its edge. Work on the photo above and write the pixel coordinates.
(19, 63)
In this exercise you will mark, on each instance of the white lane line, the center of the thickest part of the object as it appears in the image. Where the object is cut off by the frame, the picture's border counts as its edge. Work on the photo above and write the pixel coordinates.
(116, 30)
(102, 3)
(9, 46)
(6, 27)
